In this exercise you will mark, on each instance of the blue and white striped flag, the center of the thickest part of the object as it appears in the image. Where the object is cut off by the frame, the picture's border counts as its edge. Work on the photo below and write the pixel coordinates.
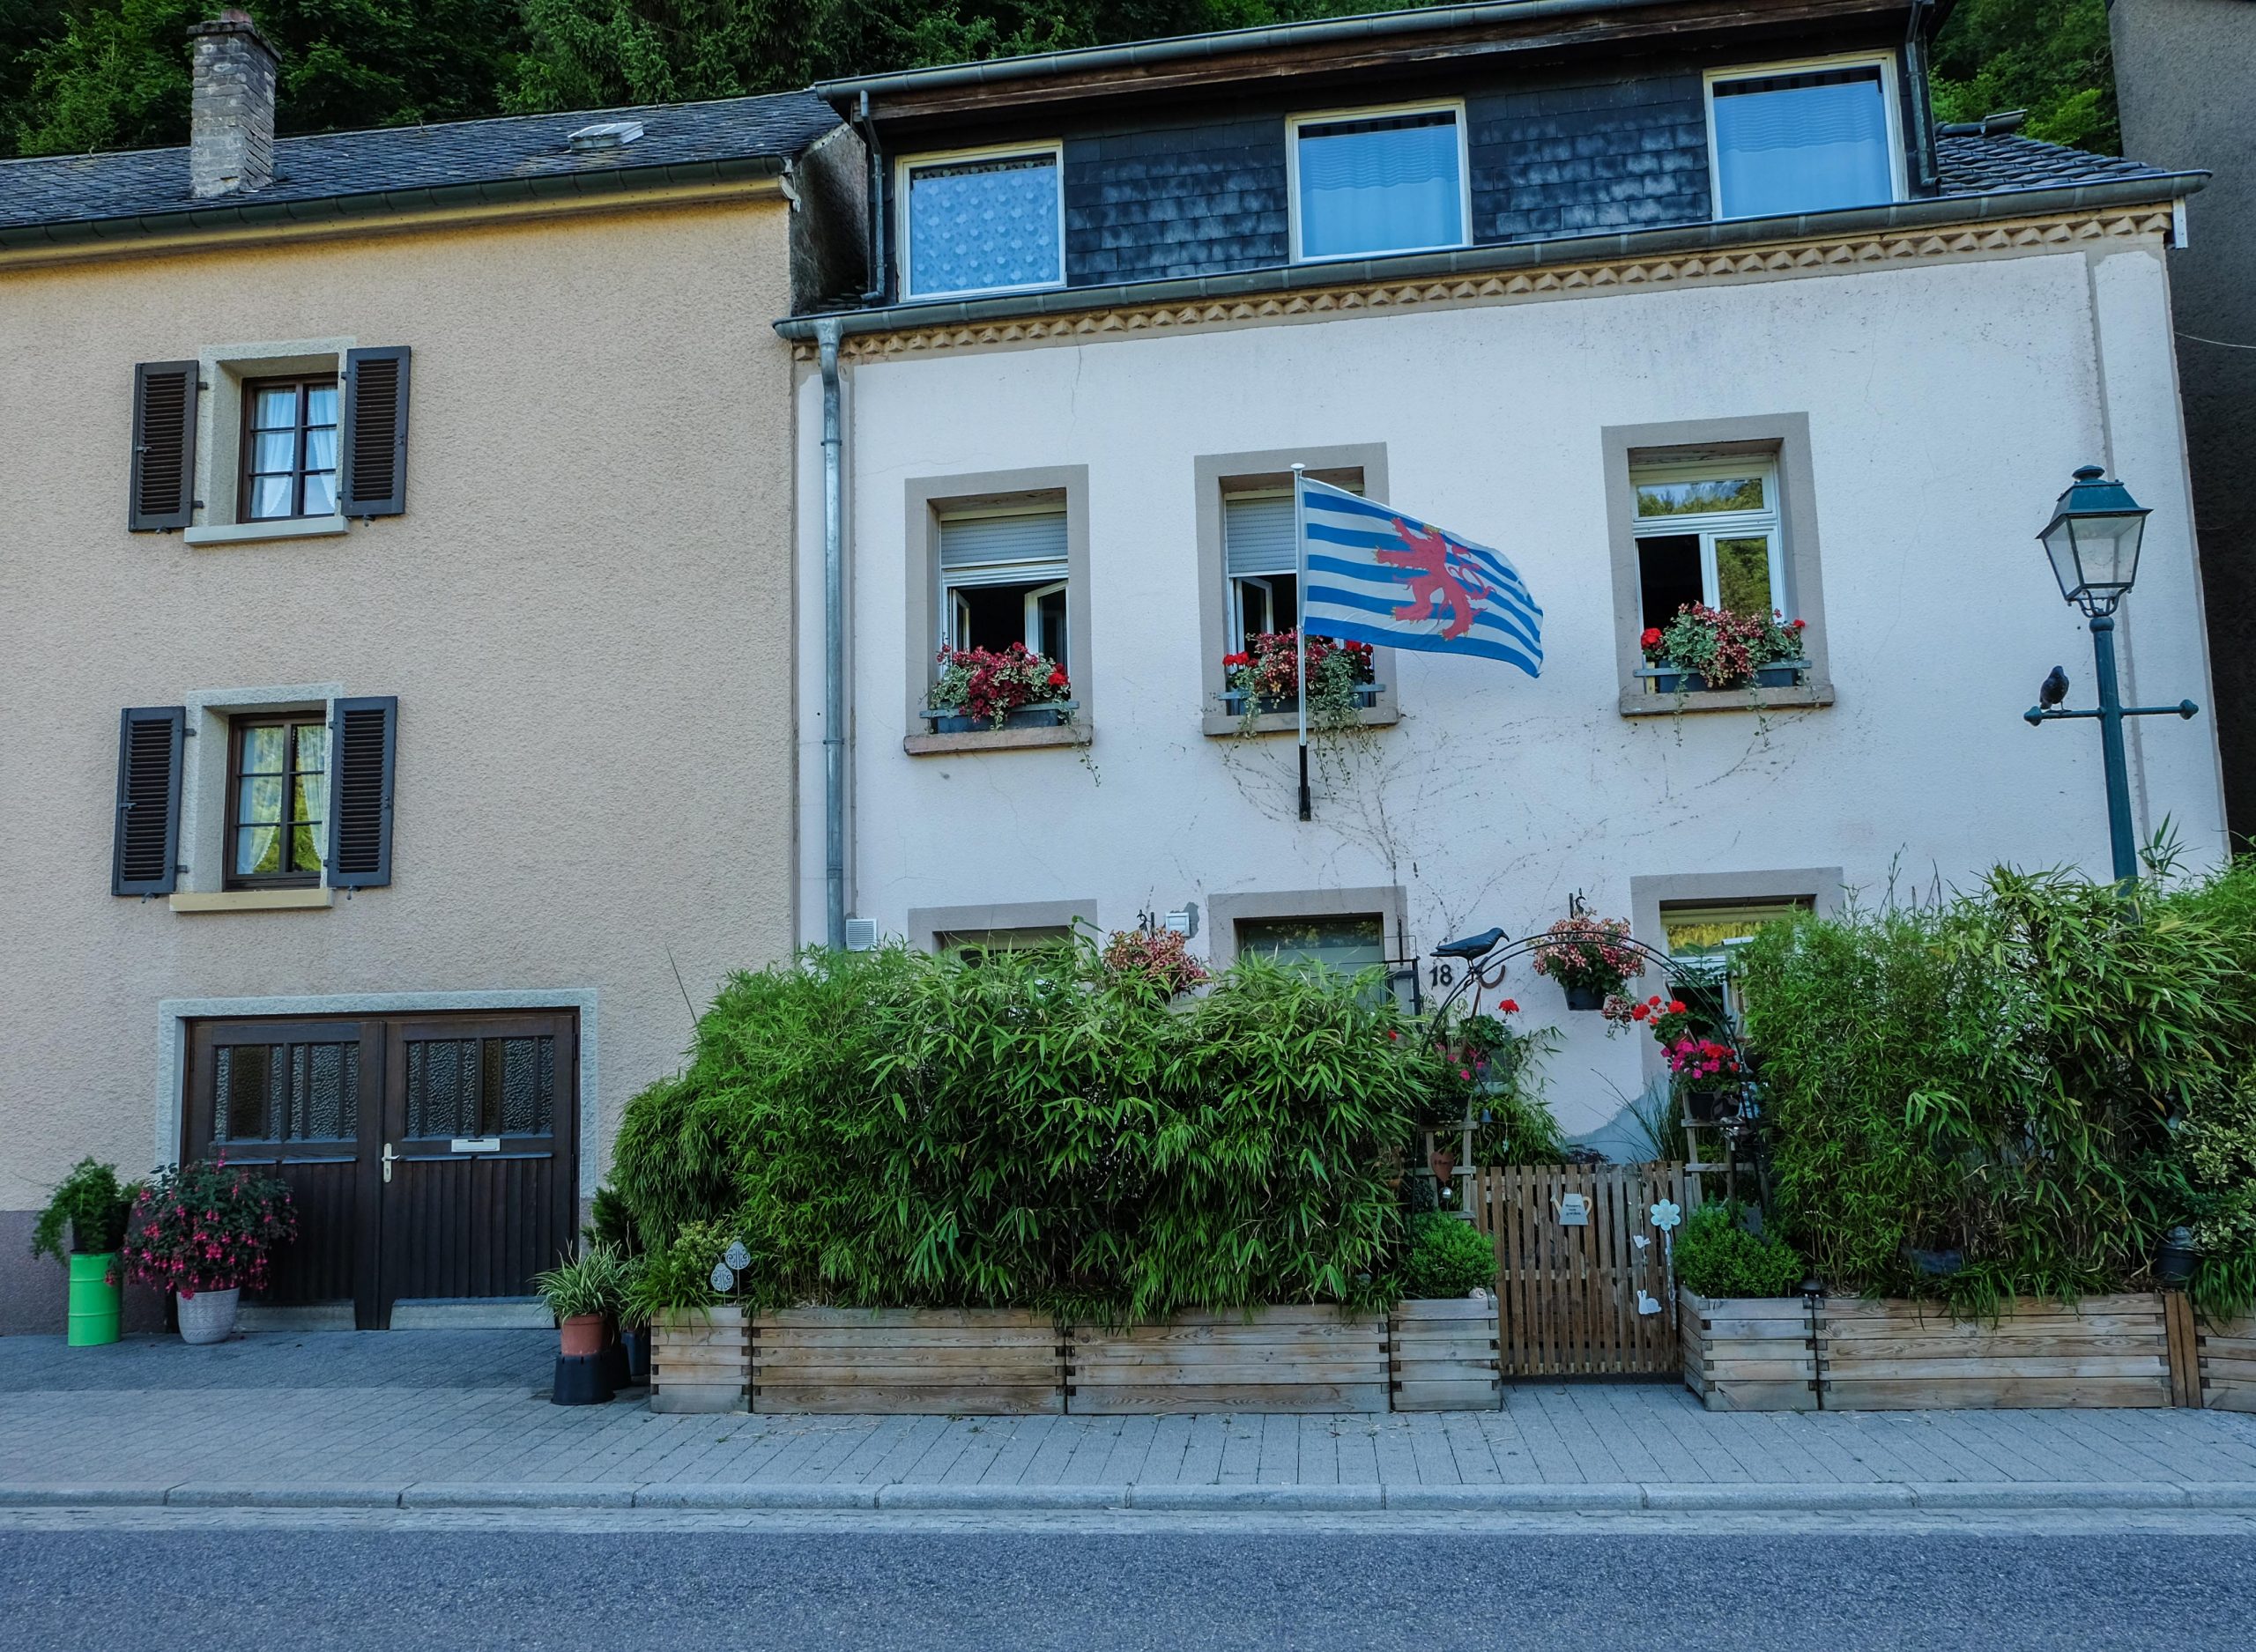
(1372, 574)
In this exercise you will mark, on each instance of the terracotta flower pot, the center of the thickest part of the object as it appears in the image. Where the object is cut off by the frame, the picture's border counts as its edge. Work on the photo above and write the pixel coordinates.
(582, 1335)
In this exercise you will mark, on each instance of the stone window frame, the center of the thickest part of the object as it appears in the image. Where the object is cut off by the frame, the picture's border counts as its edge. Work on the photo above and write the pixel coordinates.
(204, 810)
(1782, 439)
(225, 370)
(926, 924)
(1390, 902)
(927, 497)
(1824, 887)
(1212, 475)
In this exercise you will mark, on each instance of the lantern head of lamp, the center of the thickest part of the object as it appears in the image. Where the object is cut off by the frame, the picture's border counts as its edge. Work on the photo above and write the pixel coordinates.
(2093, 541)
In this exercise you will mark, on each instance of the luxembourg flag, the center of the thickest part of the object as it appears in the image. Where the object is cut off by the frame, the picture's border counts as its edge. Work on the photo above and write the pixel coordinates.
(1372, 574)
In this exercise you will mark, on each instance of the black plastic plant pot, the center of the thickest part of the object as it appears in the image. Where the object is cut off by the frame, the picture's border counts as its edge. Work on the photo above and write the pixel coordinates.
(584, 1379)
(1704, 1107)
(1585, 998)
(2174, 1258)
(636, 1342)
(1936, 1264)
(617, 1366)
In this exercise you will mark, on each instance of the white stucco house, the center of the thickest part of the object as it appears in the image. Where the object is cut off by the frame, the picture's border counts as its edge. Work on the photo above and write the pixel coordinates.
(1665, 314)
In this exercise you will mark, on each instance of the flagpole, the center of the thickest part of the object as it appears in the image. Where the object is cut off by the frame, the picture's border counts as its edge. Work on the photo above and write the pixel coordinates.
(1300, 624)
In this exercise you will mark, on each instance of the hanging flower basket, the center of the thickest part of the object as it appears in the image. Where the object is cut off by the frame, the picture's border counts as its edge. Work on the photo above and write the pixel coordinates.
(1588, 957)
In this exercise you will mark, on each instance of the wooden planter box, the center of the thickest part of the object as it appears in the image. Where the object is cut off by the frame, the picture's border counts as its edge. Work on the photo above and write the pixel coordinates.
(983, 1362)
(2228, 1364)
(1748, 1353)
(1298, 1358)
(701, 1361)
(1442, 1355)
(1882, 1354)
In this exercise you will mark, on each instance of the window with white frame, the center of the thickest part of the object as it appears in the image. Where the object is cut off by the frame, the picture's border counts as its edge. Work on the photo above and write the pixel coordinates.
(1346, 942)
(1378, 181)
(989, 221)
(1258, 562)
(1804, 138)
(1003, 580)
(1708, 533)
(1701, 935)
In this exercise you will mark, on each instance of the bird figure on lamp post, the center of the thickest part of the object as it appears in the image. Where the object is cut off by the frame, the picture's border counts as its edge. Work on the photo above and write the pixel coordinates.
(2093, 542)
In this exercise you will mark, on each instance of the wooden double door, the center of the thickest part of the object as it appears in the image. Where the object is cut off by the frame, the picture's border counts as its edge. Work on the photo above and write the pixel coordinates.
(428, 1157)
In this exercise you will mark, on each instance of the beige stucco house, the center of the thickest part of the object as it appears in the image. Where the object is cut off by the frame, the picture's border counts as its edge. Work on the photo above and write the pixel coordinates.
(396, 609)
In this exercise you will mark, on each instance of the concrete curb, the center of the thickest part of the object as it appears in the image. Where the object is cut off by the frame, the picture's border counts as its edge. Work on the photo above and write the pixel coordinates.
(1952, 1497)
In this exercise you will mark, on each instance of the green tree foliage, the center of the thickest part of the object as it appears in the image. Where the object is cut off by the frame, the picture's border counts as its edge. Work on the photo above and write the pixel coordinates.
(2050, 57)
(115, 74)
(1031, 1130)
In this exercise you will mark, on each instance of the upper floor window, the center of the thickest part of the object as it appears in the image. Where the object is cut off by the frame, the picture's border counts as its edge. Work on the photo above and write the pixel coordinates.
(289, 447)
(991, 221)
(1003, 580)
(278, 798)
(1804, 138)
(1378, 181)
(1708, 534)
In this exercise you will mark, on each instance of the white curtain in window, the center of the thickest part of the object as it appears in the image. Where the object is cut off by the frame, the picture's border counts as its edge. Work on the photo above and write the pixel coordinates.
(1783, 147)
(979, 225)
(1379, 187)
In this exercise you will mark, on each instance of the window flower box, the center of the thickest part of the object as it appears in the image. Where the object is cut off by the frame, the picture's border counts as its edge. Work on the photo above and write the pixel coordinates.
(1235, 702)
(1050, 715)
(1669, 680)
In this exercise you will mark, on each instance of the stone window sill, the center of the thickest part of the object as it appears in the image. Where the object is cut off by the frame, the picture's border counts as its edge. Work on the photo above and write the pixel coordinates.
(1220, 725)
(1807, 697)
(1075, 733)
(259, 532)
(252, 900)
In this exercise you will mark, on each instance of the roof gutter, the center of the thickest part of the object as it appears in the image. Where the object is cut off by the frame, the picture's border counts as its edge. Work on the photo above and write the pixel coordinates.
(1227, 43)
(1688, 238)
(342, 214)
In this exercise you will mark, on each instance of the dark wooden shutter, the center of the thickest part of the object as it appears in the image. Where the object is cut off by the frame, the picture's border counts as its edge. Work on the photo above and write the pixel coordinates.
(363, 736)
(374, 433)
(144, 855)
(162, 490)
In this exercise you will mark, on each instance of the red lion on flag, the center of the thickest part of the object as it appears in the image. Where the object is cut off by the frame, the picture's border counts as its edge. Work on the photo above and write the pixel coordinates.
(1436, 579)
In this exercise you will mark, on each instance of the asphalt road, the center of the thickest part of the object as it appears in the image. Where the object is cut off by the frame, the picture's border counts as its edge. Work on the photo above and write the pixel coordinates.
(1003, 1590)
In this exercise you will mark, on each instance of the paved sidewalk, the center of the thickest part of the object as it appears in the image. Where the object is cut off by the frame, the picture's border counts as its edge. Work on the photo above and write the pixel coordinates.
(460, 1418)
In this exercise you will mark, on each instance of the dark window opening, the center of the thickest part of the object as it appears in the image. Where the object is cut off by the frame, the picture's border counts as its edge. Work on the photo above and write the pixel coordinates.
(1668, 576)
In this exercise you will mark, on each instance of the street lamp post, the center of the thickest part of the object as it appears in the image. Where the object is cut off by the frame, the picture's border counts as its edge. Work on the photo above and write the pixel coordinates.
(2093, 543)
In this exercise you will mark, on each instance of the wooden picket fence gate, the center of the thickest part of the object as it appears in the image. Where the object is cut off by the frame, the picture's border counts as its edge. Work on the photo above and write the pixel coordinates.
(1568, 1295)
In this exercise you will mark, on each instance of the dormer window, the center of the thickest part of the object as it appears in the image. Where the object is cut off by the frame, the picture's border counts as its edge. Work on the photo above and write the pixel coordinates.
(983, 221)
(1805, 137)
(1376, 181)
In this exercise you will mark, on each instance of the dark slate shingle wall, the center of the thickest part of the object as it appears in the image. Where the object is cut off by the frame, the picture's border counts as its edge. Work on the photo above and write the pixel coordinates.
(1622, 153)
(1182, 200)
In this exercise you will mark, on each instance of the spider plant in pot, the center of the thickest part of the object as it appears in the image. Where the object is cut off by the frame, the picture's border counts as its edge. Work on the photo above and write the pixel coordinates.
(580, 1291)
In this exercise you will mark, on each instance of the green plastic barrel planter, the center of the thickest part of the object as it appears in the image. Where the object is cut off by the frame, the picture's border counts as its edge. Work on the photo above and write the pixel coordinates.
(95, 1300)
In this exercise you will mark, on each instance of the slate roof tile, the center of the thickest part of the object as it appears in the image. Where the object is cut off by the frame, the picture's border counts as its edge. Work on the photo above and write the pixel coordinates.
(69, 188)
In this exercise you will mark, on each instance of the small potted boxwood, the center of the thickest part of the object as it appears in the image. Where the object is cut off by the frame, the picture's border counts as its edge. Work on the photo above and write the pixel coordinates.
(83, 1227)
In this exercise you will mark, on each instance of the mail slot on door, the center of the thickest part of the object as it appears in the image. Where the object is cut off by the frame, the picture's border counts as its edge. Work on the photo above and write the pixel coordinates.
(478, 1143)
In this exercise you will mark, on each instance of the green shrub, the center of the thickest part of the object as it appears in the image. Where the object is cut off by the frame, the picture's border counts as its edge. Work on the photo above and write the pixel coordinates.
(93, 1204)
(1448, 1256)
(888, 1129)
(610, 1223)
(677, 1277)
(1995, 1074)
(1717, 1256)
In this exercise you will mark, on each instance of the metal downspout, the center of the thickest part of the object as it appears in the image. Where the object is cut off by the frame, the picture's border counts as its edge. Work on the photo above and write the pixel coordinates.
(833, 647)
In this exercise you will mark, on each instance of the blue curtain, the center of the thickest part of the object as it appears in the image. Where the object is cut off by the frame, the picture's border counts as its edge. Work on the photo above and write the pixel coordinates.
(1379, 187)
(984, 223)
(1787, 147)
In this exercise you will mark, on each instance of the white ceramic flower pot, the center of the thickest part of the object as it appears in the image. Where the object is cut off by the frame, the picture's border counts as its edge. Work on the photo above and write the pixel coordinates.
(208, 1316)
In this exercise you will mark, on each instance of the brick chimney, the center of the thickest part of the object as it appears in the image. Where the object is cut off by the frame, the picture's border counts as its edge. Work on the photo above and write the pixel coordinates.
(230, 108)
